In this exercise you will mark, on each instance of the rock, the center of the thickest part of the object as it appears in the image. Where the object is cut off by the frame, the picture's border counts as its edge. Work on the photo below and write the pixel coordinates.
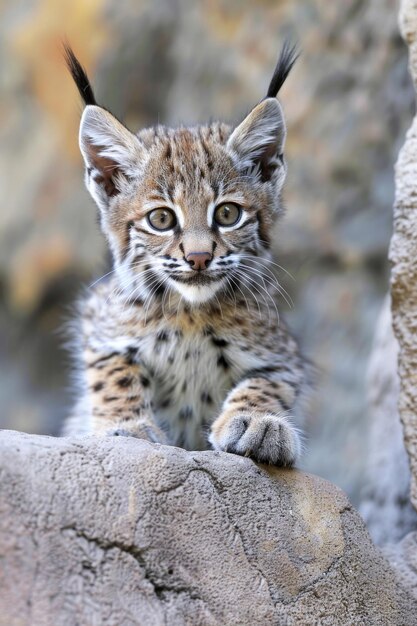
(403, 256)
(386, 505)
(403, 559)
(124, 532)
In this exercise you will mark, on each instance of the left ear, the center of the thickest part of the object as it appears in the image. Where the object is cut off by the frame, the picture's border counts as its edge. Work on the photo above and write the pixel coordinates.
(258, 142)
(112, 154)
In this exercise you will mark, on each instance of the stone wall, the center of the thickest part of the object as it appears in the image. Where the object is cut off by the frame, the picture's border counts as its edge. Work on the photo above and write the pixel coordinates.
(385, 498)
(403, 256)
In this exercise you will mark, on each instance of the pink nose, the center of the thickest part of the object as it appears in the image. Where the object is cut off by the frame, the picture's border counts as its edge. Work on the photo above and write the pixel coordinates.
(199, 260)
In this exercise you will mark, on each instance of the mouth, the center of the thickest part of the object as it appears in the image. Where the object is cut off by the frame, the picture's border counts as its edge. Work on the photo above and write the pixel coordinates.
(197, 278)
(198, 287)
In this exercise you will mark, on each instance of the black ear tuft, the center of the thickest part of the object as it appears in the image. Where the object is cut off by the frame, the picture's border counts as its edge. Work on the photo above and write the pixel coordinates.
(79, 75)
(287, 58)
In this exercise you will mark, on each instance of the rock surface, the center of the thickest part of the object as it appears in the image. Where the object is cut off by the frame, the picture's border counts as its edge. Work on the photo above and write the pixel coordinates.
(403, 256)
(123, 532)
(385, 504)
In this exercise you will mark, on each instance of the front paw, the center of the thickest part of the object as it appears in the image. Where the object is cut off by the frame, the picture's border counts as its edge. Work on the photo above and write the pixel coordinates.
(264, 437)
(141, 430)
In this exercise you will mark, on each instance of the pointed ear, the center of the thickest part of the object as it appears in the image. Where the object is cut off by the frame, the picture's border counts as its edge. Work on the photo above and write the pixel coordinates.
(258, 142)
(112, 154)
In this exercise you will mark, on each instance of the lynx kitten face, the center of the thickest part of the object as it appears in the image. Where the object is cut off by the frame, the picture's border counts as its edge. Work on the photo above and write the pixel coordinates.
(188, 213)
(183, 209)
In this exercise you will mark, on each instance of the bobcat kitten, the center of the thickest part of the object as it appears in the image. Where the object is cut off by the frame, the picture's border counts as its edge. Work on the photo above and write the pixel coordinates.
(183, 341)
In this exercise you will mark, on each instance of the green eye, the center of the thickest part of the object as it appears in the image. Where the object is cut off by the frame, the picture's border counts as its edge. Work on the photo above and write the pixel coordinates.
(162, 219)
(227, 214)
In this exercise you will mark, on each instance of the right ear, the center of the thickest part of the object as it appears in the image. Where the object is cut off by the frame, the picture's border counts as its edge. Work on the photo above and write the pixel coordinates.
(112, 154)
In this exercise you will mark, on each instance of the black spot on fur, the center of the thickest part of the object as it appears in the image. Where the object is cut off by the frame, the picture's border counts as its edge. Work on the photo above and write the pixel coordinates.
(145, 382)
(282, 402)
(115, 370)
(98, 386)
(171, 265)
(131, 355)
(133, 398)
(124, 382)
(220, 343)
(222, 362)
(103, 359)
(162, 336)
(261, 372)
(111, 398)
(186, 413)
(160, 290)
(206, 398)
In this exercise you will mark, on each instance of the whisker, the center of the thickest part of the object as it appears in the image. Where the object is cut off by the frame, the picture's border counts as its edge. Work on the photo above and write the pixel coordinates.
(266, 260)
(270, 297)
(218, 301)
(274, 284)
(257, 286)
(238, 286)
(126, 286)
(230, 290)
(271, 273)
(244, 277)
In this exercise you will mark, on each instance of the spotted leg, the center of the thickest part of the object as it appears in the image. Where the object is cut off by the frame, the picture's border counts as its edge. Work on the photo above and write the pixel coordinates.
(120, 396)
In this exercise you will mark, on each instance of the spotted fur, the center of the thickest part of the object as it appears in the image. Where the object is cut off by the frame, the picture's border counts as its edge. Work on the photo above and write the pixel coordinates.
(173, 352)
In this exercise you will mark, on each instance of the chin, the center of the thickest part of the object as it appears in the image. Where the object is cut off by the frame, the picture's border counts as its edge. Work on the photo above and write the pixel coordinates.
(198, 293)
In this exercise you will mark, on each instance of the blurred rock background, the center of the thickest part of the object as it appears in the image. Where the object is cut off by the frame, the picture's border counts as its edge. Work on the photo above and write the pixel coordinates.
(348, 103)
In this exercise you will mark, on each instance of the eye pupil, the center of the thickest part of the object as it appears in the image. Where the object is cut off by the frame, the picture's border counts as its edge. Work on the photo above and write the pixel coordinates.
(227, 214)
(162, 219)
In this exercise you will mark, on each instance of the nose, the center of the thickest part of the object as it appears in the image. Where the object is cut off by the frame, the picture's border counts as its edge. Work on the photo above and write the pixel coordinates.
(199, 260)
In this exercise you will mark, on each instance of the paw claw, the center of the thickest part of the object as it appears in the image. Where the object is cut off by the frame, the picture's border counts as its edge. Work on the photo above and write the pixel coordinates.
(266, 438)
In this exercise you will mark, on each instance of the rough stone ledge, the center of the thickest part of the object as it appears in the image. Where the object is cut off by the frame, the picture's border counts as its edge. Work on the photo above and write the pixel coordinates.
(123, 532)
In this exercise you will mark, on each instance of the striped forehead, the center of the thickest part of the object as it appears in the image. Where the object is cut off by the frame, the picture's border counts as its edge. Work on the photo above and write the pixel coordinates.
(191, 158)
(189, 170)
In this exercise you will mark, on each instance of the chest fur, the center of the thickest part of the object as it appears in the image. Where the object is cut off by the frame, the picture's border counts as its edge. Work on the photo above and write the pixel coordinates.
(191, 374)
